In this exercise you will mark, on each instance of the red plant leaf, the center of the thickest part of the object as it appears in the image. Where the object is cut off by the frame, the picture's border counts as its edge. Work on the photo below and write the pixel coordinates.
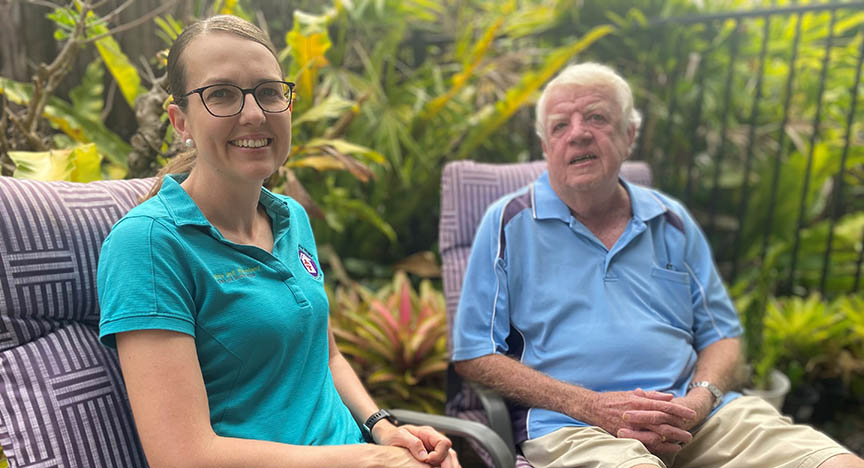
(389, 324)
(405, 307)
(428, 333)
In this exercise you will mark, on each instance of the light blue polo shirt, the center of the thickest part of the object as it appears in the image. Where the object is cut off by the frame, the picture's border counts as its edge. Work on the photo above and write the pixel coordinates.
(542, 287)
(259, 319)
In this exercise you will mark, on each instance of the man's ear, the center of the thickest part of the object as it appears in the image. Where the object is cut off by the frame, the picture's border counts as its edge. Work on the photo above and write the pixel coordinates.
(543, 146)
(177, 118)
(631, 139)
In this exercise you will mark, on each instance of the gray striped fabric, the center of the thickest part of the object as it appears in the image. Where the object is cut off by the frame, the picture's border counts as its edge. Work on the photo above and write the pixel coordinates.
(63, 404)
(62, 400)
(467, 190)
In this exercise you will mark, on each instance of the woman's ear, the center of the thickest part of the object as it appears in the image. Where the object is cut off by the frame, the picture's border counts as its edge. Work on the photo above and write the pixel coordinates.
(177, 118)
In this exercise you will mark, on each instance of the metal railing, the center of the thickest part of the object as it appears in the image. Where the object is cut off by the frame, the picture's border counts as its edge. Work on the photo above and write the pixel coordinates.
(757, 127)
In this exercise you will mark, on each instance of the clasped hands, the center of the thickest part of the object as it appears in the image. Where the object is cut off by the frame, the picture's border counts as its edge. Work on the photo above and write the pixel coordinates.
(658, 420)
(427, 447)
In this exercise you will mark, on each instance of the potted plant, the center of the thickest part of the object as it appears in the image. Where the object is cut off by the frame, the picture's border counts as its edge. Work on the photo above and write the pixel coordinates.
(809, 337)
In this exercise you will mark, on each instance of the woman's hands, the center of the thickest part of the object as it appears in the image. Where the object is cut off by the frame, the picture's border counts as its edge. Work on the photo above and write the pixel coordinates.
(425, 444)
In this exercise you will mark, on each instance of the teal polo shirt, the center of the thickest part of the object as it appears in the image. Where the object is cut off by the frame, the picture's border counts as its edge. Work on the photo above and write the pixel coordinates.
(542, 287)
(259, 319)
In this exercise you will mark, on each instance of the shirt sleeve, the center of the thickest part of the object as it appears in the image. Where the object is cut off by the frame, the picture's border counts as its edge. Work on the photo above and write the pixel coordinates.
(482, 321)
(714, 316)
(142, 282)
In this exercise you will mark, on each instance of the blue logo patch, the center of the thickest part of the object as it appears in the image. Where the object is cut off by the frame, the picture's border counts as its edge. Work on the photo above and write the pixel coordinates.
(308, 263)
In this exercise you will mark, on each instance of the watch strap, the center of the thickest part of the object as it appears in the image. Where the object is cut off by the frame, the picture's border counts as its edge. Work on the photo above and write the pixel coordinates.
(371, 421)
(718, 395)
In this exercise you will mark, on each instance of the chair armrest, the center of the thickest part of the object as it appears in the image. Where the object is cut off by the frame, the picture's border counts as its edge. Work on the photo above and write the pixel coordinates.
(501, 454)
(496, 412)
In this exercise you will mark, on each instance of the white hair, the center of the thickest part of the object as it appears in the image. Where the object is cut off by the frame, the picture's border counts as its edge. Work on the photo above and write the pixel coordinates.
(586, 75)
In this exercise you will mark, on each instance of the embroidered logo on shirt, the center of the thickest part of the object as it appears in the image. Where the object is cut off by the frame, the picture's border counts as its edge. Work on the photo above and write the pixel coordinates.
(308, 262)
(236, 274)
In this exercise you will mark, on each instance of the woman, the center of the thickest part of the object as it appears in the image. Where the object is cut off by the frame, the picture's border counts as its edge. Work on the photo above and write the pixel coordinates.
(213, 296)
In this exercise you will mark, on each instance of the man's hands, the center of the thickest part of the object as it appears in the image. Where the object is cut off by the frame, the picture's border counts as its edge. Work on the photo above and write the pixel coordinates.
(699, 400)
(656, 419)
(425, 444)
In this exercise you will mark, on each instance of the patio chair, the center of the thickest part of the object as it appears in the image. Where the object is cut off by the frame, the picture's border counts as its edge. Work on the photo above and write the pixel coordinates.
(62, 398)
(467, 189)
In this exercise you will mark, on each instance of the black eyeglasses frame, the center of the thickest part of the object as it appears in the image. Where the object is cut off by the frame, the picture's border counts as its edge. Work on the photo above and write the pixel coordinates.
(244, 91)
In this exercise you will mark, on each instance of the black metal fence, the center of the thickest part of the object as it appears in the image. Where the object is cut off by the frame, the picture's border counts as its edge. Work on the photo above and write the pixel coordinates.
(754, 120)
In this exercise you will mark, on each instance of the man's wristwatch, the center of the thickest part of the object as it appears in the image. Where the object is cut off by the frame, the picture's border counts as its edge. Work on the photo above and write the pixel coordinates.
(718, 395)
(371, 421)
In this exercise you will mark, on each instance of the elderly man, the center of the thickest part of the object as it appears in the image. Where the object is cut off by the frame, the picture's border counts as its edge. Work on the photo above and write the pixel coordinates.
(596, 304)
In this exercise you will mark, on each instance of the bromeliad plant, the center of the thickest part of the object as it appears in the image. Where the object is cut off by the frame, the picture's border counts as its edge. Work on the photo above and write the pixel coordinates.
(395, 338)
(809, 336)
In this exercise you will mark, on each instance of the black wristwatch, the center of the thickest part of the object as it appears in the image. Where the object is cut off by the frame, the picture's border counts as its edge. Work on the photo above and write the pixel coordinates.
(367, 426)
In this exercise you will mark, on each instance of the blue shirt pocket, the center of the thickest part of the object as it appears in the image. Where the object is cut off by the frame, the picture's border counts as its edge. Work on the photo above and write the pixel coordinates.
(672, 298)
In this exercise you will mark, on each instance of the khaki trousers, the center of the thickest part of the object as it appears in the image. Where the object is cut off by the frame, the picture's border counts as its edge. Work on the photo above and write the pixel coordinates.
(746, 433)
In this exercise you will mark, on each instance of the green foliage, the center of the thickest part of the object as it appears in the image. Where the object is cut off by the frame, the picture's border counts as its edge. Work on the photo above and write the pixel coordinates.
(169, 28)
(810, 339)
(117, 62)
(411, 85)
(701, 106)
(454, 84)
(81, 124)
(804, 334)
(78, 164)
(852, 307)
(395, 338)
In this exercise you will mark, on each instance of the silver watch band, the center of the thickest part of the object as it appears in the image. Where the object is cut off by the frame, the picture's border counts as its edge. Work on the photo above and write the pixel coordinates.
(718, 395)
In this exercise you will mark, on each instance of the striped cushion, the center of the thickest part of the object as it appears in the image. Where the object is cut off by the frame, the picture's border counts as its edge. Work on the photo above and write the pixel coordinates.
(62, 401)
(64, 404)
(49, 245)
(467, 189)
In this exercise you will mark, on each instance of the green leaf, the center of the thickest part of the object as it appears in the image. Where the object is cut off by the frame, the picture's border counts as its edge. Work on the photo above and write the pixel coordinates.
(461, 78)
(529, 21)
(347, 147)
(332, 107)
(64, 19)
(66, 118)
(307, 51)
(18, 93)
(169, 28)
(79, 164)
(87, 96)
(42, 165)
(117, 62)
(521, 94)
(121, 68)
(87, 164)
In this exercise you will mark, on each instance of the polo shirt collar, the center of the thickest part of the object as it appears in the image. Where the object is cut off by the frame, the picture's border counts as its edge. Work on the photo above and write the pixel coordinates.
(547, 205)
(184, 211)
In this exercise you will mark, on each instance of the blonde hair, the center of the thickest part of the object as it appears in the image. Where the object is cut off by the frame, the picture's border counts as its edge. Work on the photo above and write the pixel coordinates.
(184, 162)
(589, 74)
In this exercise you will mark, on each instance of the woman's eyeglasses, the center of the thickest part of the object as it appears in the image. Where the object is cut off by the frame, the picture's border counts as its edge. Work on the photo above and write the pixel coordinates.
(226, 100)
